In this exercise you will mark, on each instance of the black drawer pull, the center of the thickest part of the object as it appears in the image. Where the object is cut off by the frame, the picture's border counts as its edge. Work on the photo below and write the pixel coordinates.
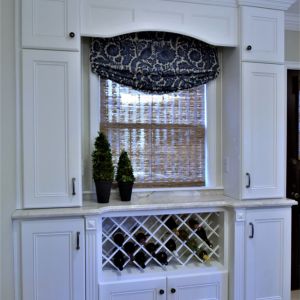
(77, 240)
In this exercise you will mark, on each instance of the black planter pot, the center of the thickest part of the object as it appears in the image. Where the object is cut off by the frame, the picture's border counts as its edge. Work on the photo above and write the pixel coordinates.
(125, 190)
(103, 189)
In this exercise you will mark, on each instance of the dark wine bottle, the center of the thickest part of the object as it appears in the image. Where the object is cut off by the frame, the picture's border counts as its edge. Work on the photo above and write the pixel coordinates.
(170, 222)
(162, 257)
(151, 248)
(118, 238)
(171, 245)
(202, 234)
(193, 223)
(119, 260)
(182, 234)
(129, 248)
(203, 255)
(141, 238)
(192, 244)
(140, 259)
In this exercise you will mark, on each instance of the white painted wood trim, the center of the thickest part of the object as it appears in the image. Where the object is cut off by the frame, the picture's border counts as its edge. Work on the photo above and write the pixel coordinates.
(93, 257)
(273, 4)
(293, 65)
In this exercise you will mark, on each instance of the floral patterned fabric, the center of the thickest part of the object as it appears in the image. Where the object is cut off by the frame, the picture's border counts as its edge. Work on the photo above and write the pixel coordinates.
(154, 62)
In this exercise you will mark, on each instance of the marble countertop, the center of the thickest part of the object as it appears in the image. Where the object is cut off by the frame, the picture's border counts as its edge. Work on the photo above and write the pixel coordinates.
(153, 201)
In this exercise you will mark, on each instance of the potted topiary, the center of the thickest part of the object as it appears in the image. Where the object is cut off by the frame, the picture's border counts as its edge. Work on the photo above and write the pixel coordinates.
(103, 169)
(125, 177)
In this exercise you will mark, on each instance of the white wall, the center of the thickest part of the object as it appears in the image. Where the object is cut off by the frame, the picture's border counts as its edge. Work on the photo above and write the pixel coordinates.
(8, 145)
(292, 45)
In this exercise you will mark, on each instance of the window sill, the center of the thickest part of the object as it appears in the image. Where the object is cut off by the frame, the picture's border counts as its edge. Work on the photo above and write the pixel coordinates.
(160, 192)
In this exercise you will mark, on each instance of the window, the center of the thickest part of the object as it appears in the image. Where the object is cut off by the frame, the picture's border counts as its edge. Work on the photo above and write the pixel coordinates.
(164, 135)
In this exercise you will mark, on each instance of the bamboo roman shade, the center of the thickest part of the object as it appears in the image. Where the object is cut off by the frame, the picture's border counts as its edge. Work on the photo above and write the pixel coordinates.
(155, 62)
(163, 134)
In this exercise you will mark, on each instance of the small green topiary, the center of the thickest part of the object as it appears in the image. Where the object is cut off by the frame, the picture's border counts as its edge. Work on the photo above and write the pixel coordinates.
(103, 169)
(124, 170)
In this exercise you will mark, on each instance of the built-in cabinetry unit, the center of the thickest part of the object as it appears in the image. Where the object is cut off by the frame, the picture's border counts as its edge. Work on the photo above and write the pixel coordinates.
(254, 108)
(51, 104)
(53, 259)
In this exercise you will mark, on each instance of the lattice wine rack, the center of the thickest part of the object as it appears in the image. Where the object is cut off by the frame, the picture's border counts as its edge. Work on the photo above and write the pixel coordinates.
(162, 240)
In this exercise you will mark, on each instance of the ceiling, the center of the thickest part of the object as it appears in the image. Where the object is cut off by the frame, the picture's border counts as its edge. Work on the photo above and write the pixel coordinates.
(295, 8)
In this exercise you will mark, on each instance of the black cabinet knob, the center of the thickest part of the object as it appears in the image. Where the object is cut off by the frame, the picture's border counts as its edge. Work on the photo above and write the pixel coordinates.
(161, 292)
(71, 34)
(173, 291)
(249, 48)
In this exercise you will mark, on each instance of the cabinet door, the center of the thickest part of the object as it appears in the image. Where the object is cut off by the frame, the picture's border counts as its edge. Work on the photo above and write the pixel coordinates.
(51, 129)
(198, 287)
(262, 30)
(268, 257)
(263, 121)
(53, 258)
(49, 24)
(147, 289)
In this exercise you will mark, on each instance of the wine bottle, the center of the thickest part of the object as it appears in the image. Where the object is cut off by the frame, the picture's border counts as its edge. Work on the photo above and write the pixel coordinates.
(182, 234)
(140, 259)
(162, 257)
(192, 244)
(118, 238)
(171, 245)
(203, 255)
(202, 234)
(141, 238)
(119, 260)
(170, 223)
(151, 248)
(193, 223)
(129, 248)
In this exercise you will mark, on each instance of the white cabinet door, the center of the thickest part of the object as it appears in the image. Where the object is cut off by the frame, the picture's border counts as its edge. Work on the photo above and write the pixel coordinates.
(147, 289)
(50, 24)
(53, 259)
(198, 287)
(262, 34)
(51, 129)
(263, 134)
(268, 257)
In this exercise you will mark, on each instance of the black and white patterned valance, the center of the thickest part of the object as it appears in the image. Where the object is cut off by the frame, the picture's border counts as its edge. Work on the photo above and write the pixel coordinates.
(155, 62)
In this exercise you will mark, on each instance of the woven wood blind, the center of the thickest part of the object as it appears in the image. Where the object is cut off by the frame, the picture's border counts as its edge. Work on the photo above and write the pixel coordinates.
(163, 134)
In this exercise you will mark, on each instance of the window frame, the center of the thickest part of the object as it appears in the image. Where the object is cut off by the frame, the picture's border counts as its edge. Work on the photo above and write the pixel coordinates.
(213, 135)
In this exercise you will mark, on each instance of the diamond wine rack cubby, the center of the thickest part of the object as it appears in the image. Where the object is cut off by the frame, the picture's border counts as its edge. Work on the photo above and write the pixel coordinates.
(142, 242)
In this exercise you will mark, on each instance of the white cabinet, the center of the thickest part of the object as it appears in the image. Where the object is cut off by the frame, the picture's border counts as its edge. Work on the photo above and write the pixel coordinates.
(51, 24)
(262, 34)
(197, 287)
(262, 130)
(51, 129)
(173, 287)
(53, 259)
(267, 254)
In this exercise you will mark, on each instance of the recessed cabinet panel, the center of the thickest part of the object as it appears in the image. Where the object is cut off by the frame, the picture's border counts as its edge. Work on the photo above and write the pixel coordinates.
(262, 35)
(263, 130)
(51, 129)
(150, 289)
(52, 264)
(267, 250)
(47, 24)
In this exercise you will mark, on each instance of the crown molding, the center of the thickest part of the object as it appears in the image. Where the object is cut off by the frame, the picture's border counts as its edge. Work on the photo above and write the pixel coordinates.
(273, 4)
(230, 3)
(292, 21)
